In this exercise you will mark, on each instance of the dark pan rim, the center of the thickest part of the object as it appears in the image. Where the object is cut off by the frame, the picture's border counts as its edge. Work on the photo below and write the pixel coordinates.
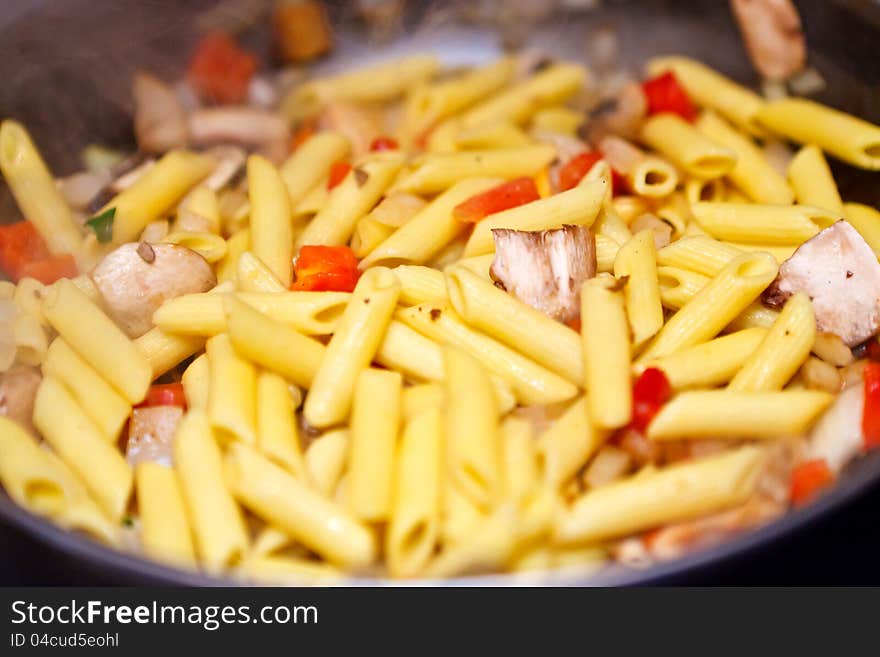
(861, 478)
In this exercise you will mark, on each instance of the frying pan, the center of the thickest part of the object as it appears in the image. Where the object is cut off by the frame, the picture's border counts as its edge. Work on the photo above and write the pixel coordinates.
(66, 67)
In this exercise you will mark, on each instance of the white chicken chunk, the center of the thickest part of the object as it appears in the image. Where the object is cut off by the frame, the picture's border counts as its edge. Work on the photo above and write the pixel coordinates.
(840, 273)
(151, 434)
(545, 268)
(837, 436)
(135, 279)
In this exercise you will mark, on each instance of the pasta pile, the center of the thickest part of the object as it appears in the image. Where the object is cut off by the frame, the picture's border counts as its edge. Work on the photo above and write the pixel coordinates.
(429, 423)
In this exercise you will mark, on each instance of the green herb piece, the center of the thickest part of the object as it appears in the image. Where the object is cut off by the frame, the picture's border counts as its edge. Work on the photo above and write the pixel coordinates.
(102, 224)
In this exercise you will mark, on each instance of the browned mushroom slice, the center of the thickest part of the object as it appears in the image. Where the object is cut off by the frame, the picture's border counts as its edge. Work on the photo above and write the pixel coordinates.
(546, 268)
(18, 388)
(135, 279)
(151, 434)
(772, 33)
(247, 126)
(841, 274)
(159, 118)
(621, 115)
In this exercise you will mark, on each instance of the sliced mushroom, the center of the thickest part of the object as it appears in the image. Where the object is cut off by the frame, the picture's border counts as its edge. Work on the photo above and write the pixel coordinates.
(135, 279)
(841, 274)
(18, 388)
(772, 33)
(247, 126)
(159, 117)
(621, 115)
(151, 434)
(230, 163)
(545, 269)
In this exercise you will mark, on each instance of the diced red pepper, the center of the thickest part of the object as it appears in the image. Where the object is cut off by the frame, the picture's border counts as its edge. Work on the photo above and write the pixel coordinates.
(503, 197)
(23, 253)
(807, 479)
(220, 71)
(326, 269)
(579, 166)
(871, 406)
(873, 349)
(338, 171)
(384, 144)
(650, 392)
(165, 394)
(664, 94)
(50, 269)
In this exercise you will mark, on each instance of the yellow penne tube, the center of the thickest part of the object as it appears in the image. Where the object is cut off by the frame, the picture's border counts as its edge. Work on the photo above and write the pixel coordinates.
(687, 147)
(552, 86)
(97, 340)
(698, 253)
(785, 348)
(313, 520)
(81, 445)
(202, 201)
(567, 445)
(578, 206)
(373, 84)
(253, 275)
(723, 413)
(756, 315)
(738, 104)
(231, 392)
(504, 317)
(271, 231)
(34, 190)
(156, 192)
(417, 398)
(238, 243)
(762, 224)
(357, 338)
(164, 351)
(866, 220)
(218, 526)
(309, 164)
(781, 253)
(519, 458)
(165, 530)
(606, 252)
(498, 134)
(637, 259)
(752, 173)
(313, 202)
(375, 416)
(368, 234)
(813, 183)
(473, 449)
(844, 136)
(406, 350)
(531, 383)
(211, 247)
(606, 352)
(714, 306)
(671, 494)
(415, 507)
(480, 265)
(562, 120)
(712, 363)
(419, 284)
(437, 172)
(106, 407)
(292, 571)
(447, 97)
(490, 547)
(30, 339)
(459, 515)
(678, 286)
(351, 199)
(277, 433)
(196, 381)
(325, 460)
(40, 482)
(431, 229)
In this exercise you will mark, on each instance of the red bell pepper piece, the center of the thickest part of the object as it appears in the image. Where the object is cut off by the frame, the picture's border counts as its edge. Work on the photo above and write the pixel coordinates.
(326, 269)
(23, 253)
(338, 171)
(165, 394)
(384, 144)
(49, 270)
(579, 166)
(664, 94)
(650, 391)
(219, 70)
(503, 197)
(871, 406)
(807, 479)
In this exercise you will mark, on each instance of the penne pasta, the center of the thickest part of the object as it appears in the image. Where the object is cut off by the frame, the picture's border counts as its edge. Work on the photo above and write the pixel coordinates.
(637, 260)
(306, 168)
(812, 180)
(271, 232)
(277, 433)
(165, 530)
(231, 392)
(686, 147)
(762, 224)
(567, 444)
